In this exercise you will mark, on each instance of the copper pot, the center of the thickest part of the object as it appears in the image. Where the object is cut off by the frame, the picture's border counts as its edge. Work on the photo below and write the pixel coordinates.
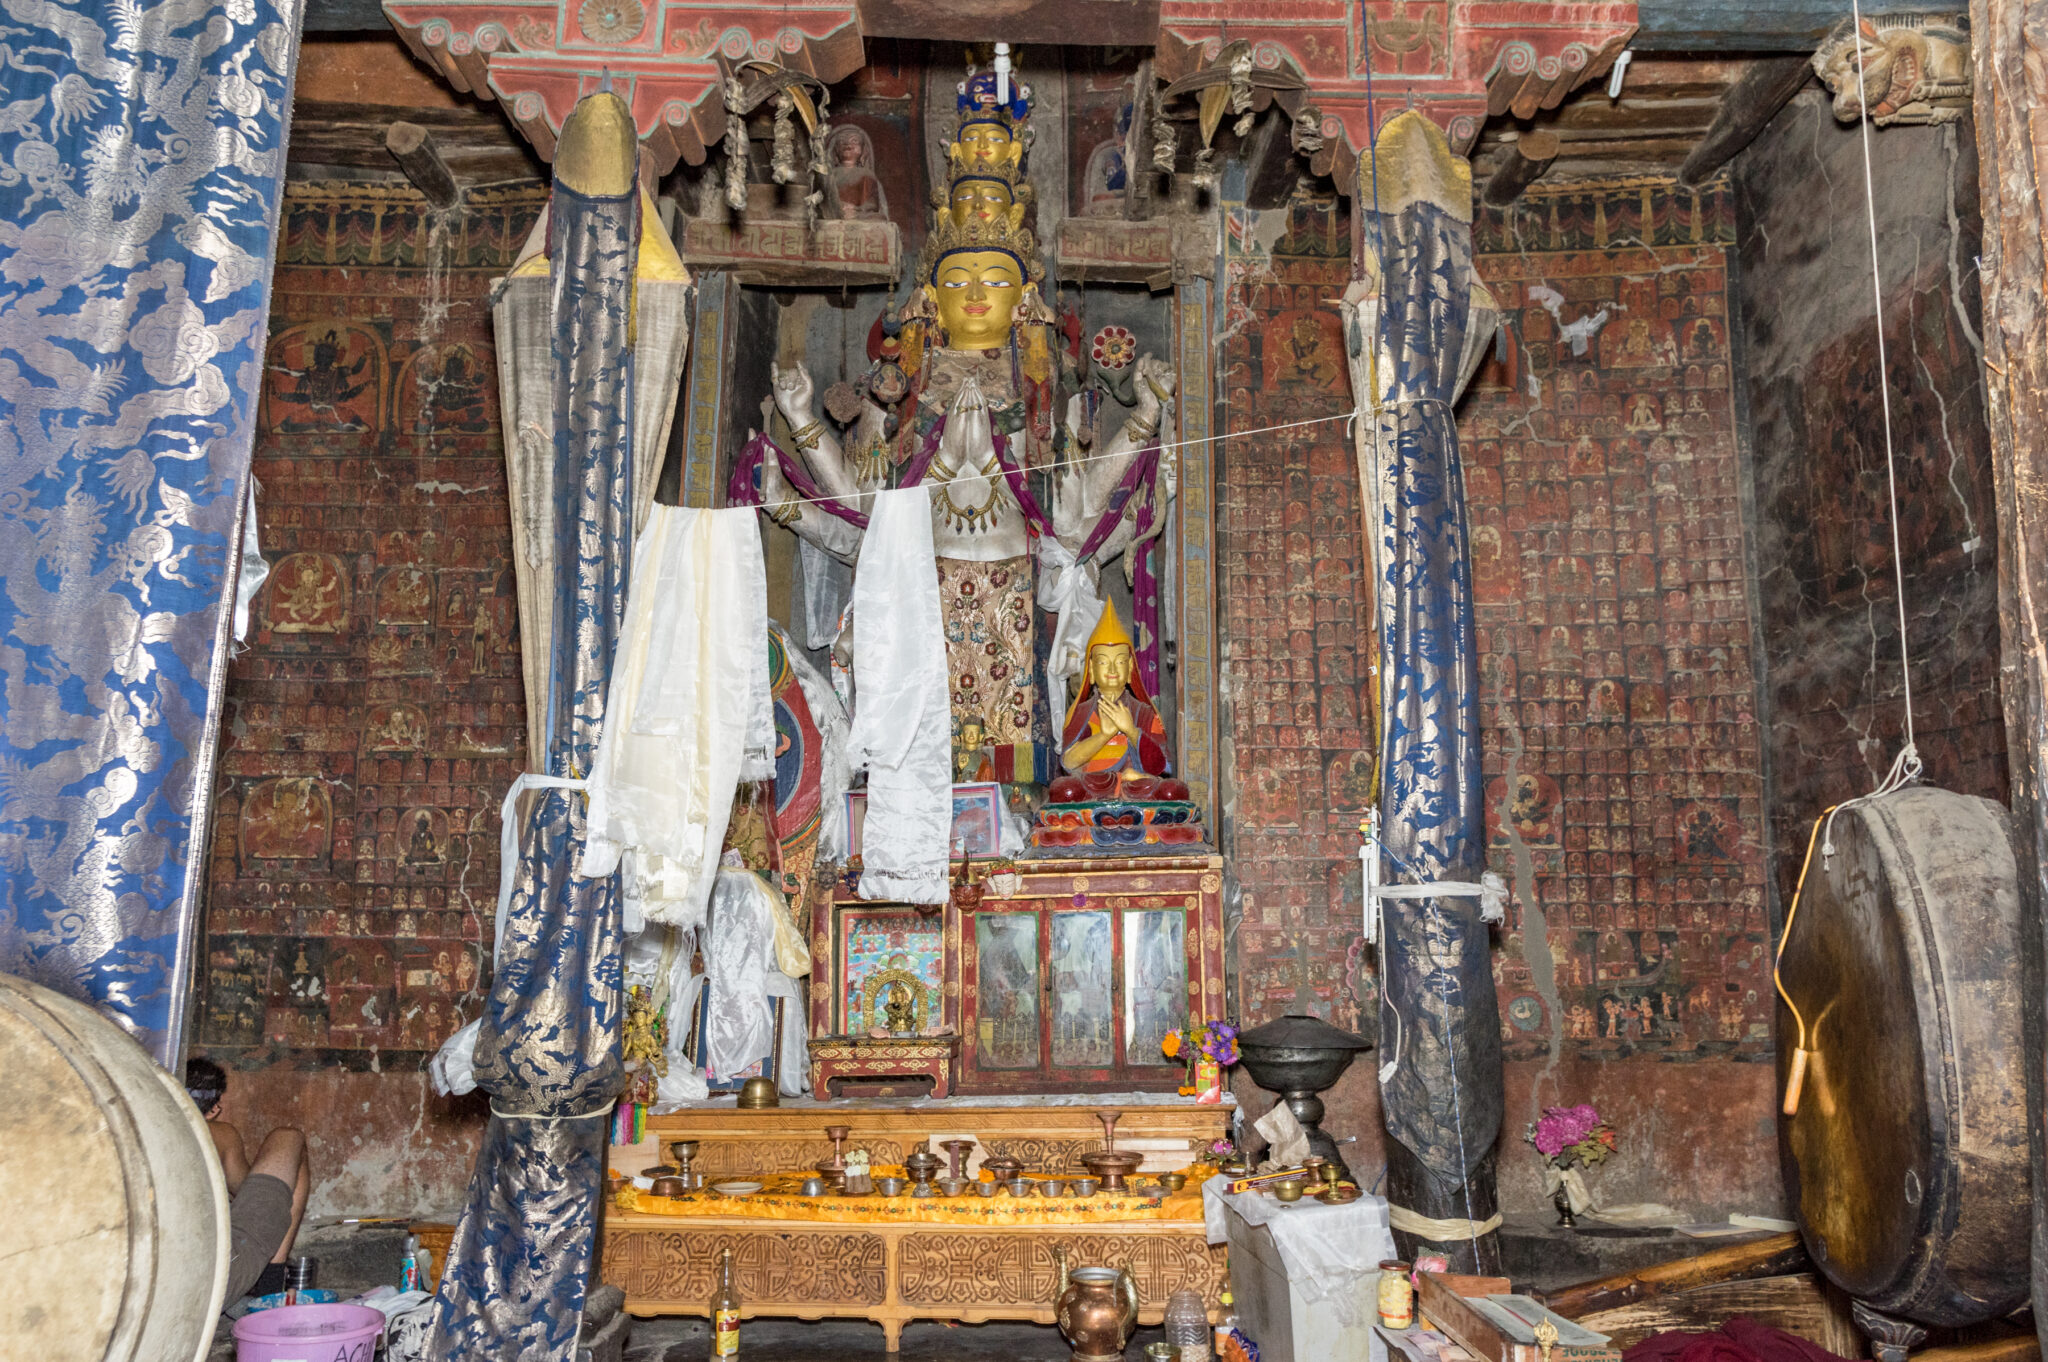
(1003, 1168)
(1096, 1308)
(670, 1186)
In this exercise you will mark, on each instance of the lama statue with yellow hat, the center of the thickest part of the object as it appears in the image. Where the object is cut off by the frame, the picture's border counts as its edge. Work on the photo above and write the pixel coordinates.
(1112, 731)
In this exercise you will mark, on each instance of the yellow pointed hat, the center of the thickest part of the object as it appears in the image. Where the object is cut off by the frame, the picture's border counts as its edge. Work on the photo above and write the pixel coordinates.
(1109, 630)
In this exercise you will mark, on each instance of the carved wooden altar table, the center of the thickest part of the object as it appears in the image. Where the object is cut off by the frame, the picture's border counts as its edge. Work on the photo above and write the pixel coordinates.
(894, 1260)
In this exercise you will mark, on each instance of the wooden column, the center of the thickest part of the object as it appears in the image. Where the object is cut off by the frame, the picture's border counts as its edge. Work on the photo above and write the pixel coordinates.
(1528, 157)
(2009, 40)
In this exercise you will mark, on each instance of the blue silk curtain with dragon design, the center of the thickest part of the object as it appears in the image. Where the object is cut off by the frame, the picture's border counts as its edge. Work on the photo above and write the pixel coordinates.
(548, 1050)
(142, 155)
(1439, 1018)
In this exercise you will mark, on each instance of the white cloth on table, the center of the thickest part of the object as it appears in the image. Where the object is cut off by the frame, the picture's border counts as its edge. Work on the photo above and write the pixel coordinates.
(902, 724)
(688, 715)
(1331, 1253)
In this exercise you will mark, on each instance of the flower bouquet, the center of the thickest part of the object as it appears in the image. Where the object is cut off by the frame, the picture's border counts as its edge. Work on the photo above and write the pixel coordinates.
(1207, 1050)
(1570, 1139)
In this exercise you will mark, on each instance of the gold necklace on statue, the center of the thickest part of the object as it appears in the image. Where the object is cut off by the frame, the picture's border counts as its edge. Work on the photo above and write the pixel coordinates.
(958, 517)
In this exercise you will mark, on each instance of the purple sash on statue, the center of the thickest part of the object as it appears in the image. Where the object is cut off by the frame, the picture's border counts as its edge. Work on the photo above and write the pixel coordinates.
(742, 489)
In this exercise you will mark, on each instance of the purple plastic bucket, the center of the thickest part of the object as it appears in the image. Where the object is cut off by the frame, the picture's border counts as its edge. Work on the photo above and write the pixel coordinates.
(309, 1333)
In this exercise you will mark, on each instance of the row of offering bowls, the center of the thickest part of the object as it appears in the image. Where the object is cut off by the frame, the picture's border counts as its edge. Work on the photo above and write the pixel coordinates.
(1108, 1169)
(1018, 1186)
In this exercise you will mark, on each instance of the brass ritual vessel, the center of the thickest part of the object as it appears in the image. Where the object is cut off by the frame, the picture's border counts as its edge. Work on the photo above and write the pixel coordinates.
(956, 1152)
(681, 1151)
(1096, 1308)
(1003, 1168)
(1108, 1163)
(757, 1094)
(922, 1166)
(832, 1167)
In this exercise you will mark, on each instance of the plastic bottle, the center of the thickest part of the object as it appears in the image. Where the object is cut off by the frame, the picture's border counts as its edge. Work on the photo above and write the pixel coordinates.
(1226, 1325)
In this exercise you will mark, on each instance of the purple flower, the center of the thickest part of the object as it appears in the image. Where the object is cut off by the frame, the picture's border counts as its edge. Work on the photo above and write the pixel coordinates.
(1562, 1127)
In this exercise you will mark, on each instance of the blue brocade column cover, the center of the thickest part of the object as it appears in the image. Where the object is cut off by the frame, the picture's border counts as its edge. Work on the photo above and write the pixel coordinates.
(548, 1050)
(141, 163)
(1439, 1019)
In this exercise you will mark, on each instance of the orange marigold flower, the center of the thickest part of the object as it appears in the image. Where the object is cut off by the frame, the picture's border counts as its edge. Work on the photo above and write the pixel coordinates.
(1171, 1045)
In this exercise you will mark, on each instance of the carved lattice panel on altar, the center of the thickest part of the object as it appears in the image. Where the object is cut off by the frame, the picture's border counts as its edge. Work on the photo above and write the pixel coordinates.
(1072, 981)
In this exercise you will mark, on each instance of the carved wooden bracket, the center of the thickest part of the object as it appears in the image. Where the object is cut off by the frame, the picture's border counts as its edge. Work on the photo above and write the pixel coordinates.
(1455, 60)
(663, 57)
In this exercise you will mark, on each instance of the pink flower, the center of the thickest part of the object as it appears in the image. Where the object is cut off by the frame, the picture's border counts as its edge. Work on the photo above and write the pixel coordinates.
(1559, 1128)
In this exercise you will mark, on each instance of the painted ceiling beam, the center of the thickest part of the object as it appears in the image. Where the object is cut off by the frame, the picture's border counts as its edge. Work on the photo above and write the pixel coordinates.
(1084, 23)
(1750, 25)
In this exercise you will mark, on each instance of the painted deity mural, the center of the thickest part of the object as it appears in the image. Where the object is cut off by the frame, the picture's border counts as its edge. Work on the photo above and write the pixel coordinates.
(1618, 704)
(377, 713)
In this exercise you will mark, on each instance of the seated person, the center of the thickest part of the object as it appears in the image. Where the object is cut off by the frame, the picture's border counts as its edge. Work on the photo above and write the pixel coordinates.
(1112, 733)
(267, 1197)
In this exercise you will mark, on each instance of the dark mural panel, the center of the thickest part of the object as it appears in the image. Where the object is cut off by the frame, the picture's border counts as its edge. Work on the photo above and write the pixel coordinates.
(1807, 319)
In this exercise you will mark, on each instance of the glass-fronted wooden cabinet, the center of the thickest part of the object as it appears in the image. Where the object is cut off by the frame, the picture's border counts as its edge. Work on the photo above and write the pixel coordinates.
(1072, 980)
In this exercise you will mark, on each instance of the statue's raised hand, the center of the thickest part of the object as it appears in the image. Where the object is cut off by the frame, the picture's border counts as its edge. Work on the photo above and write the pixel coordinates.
(794, 393)
(1155, 385)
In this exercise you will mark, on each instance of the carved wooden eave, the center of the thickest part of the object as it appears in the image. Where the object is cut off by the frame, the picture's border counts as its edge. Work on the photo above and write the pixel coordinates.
(779, 253)
(1156, 252)
(1456, 61)
(538, 57)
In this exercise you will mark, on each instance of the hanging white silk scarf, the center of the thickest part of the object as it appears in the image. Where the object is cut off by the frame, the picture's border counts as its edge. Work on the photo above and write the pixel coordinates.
(689, 714)
(902, 716)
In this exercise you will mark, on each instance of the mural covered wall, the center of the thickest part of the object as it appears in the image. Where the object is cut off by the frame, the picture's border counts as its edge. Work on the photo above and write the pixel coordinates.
(377, 715)
(1807, 320)
(1621, 738)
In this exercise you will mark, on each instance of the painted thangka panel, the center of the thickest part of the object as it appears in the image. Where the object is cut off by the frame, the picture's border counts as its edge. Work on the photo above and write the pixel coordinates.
(378, 708)
(145, 149)
(891, 970)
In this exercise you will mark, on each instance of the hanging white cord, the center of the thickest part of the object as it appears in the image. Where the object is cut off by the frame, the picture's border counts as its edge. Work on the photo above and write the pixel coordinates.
(1907, 767)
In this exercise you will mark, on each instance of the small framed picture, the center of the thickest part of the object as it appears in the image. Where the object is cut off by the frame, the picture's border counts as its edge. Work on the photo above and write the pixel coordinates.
(977, 821)
(856, 819)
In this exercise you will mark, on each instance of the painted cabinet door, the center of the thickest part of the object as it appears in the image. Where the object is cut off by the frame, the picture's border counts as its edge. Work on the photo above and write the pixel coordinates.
(1072, 982)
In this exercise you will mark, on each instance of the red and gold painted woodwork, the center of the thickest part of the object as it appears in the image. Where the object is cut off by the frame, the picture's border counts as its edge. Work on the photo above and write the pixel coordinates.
(1455, 60)
(1117, 885)
(665, 58)
(872, 1061)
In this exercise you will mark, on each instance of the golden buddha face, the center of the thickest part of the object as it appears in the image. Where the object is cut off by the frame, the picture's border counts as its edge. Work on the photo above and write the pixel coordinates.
(986, 144)
(1109, 669)
(976, 294)
(979, 199)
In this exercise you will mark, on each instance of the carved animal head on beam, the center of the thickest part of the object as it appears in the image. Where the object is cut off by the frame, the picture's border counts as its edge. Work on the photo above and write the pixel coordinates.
(1915, 68)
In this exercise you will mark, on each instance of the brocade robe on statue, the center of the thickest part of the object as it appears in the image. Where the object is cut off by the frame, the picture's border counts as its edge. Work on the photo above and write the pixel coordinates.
(987, 601)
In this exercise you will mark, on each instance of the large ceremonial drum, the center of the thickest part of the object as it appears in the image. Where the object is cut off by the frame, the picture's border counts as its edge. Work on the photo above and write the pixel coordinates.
(1906, 1160)
(117, 1215)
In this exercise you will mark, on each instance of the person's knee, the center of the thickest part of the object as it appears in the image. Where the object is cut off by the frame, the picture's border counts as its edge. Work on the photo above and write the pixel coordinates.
(283, 1155)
